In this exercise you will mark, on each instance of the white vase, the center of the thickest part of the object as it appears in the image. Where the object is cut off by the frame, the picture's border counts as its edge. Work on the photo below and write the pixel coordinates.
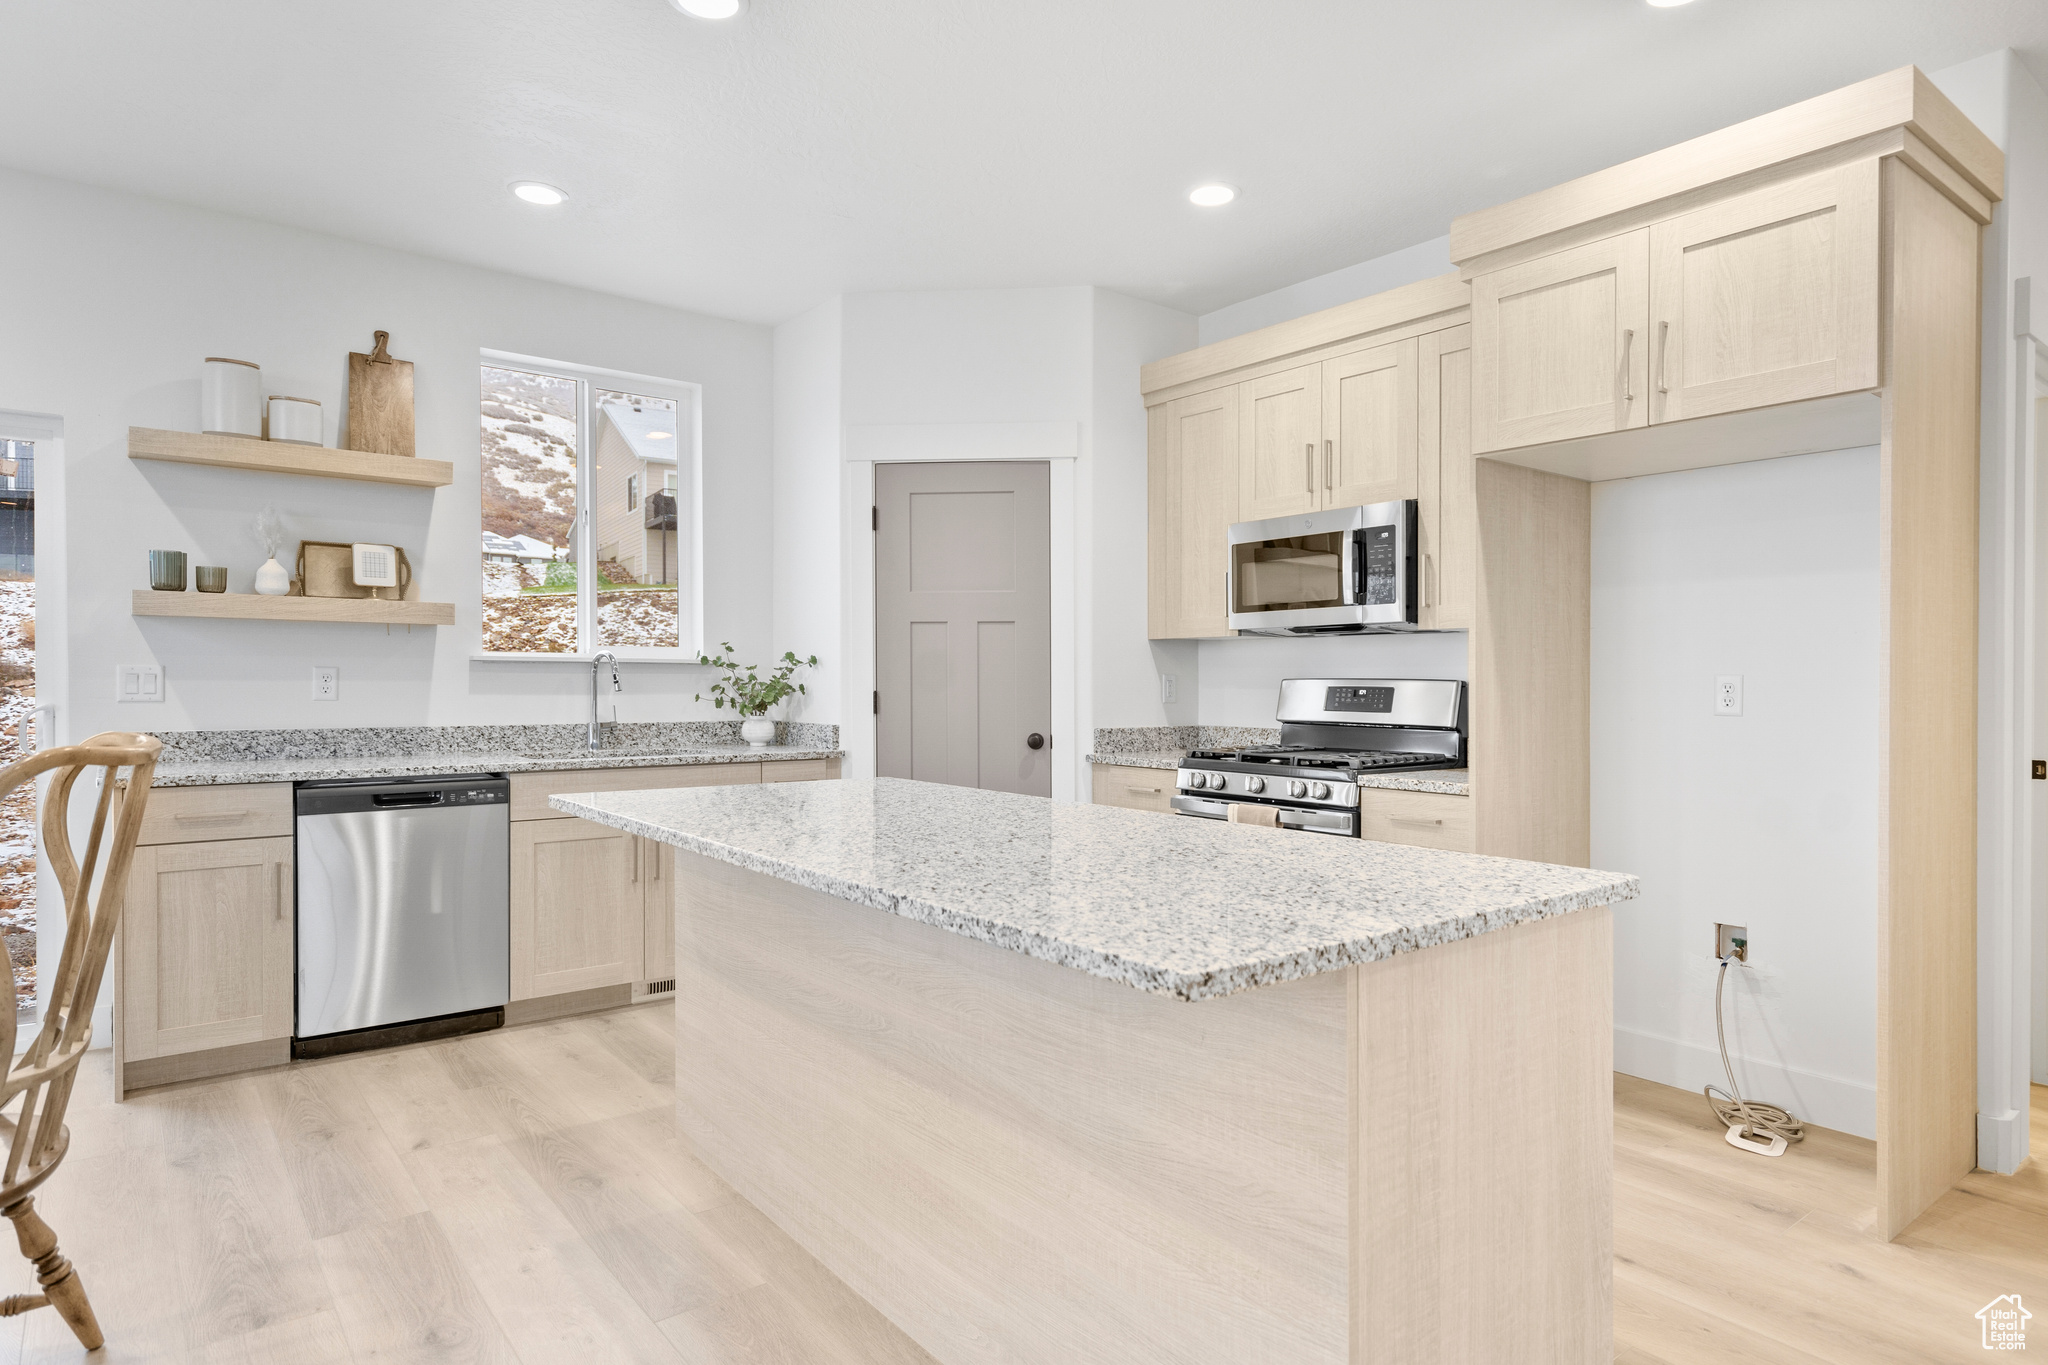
(272, 580)
(758, 731)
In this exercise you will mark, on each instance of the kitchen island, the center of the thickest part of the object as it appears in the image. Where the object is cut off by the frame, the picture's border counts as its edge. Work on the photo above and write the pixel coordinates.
(1079, 1084)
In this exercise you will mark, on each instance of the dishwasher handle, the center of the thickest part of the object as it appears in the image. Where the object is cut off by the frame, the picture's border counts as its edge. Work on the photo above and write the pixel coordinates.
(407, 798)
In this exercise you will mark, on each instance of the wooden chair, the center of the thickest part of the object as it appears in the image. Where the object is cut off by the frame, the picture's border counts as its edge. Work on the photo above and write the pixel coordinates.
(36, 1136)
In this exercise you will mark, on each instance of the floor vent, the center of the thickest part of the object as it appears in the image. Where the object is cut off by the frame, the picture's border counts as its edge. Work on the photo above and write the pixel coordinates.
(661, 987)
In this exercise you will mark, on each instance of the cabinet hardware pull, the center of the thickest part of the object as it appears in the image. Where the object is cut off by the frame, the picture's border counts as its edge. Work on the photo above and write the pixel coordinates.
(277, 892)
(208, 817)
(636, 857)
(1663, 349)
(1428, 579)
(1308, 461)
(1628, 378)
(654, 856)
(1329, 462)
(1411, 820)
(1143, 791)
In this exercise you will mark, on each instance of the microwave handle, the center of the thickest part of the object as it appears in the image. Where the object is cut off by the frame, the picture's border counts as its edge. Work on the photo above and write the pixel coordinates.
(1348, 566)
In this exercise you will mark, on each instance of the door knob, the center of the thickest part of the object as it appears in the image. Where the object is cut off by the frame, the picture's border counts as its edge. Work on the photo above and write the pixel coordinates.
(1035, 741)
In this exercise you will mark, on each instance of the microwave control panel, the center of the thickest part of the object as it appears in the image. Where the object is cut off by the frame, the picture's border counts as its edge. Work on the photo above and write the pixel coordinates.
(1378, 547)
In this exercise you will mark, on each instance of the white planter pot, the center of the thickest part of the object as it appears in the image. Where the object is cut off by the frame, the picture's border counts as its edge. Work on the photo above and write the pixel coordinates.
(272, 580)
(758, 731)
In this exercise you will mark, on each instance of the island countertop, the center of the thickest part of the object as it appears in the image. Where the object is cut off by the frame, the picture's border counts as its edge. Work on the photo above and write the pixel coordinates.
(1187, 908)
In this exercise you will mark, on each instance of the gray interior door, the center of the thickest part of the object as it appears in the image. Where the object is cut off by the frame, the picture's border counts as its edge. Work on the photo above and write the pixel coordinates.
(963, 624)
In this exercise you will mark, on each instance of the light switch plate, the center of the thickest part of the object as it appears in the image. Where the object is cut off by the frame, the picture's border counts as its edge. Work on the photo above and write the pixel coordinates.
(138, 682)
(1167, 688)
(326, 682)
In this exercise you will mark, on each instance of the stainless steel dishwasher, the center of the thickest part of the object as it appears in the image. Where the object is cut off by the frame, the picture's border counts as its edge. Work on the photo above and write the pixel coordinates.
(403, 912)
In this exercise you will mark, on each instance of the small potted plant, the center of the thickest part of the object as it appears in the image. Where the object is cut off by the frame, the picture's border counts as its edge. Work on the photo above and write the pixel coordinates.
(746, 691)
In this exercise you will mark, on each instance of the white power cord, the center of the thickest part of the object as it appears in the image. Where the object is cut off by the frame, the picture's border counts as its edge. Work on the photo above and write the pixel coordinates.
(1761, 1128)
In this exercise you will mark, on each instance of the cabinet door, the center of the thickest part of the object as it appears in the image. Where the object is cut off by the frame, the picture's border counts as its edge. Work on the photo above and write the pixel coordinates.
(1280, 444)
(1766, 298)
(1192, 478)
(659, 943)
(1559, 347)
(578, 907)
(1369, 426)
(206, 947)
(1449, 499)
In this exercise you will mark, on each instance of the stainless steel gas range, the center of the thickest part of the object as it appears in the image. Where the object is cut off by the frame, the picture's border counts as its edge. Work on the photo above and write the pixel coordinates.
(1332, 732)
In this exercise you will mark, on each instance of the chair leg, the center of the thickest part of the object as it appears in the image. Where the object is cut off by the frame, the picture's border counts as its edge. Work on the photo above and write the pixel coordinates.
(59, 1281)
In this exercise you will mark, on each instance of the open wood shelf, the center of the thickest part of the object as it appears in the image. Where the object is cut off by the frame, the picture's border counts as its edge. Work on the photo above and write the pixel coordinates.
(248, 606)
(282, 457)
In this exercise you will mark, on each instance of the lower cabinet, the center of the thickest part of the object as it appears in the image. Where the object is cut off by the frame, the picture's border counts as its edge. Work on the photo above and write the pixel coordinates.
(1135, 788)
(578, 905)
(1427, 819)
(206, 947)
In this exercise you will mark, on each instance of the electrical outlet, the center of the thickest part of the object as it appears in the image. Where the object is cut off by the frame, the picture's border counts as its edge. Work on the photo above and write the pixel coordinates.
(1167, 691)
(326, 682)
(1728, 695)
(1731, 940)
(138, 682)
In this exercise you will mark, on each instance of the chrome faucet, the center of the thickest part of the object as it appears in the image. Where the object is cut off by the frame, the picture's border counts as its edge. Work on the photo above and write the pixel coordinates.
(597, 730)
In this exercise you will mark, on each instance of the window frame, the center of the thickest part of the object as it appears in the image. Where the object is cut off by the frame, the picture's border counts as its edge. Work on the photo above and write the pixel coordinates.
(689, 400)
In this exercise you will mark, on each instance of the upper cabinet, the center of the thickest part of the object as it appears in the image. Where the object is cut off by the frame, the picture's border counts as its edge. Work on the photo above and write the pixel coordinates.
(1766, 298)
(1323, 411)
(1447, 487)
(1559, 347)
(1192, 494)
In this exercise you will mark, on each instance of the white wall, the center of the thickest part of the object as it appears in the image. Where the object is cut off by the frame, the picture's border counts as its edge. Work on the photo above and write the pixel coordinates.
(108, 328)
(1125, 665)
(1769, 819)
(808, 613)
(1376, 276)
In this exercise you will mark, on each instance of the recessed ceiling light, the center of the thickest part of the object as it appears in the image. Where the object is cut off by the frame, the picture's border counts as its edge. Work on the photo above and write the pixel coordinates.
(1212, 196)
(709, 9)
(534, 192)
(661, 435)
(1668, 4)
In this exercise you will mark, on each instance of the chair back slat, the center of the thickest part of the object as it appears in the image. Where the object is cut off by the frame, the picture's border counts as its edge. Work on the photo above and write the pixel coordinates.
(42, 1077)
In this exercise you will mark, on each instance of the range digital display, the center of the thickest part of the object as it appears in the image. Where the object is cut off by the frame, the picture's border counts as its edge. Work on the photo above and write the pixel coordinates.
(1378, 700)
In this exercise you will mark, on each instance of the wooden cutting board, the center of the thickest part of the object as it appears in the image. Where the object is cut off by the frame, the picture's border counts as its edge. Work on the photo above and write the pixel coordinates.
(379, 402)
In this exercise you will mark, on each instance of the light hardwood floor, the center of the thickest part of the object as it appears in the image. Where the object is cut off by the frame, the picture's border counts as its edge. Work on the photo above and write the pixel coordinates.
(520, 1196)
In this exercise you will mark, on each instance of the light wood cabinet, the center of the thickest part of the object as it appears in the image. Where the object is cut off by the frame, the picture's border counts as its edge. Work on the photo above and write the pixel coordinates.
(206, 947)
(1192, 497)
(658, 935)
(578, 907)
(1447, 494)
(1425, 819)
(1765, 298)
(1135, 788)
(1369, 426)
(1755, 300)
(1559, 346)
(1280, 444)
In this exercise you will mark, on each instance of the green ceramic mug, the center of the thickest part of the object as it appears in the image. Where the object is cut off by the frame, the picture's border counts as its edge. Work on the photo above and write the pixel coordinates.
(167, 570)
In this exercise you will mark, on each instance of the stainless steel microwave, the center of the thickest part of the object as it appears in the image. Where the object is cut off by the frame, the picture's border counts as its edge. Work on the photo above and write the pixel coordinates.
(1346, 571)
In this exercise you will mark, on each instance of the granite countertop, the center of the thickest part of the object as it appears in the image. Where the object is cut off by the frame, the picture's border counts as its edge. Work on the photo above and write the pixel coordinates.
(1448, 781)
(1106, 890)
(182, 772)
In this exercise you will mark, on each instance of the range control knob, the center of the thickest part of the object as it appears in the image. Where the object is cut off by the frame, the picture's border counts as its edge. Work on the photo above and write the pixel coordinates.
(1255, 785)
(1198, 780)
(1297, 790)
(1320, 791)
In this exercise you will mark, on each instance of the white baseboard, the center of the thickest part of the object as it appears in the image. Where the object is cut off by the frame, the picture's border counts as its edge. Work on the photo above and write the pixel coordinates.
(2002, 1141)
(1828, 1101)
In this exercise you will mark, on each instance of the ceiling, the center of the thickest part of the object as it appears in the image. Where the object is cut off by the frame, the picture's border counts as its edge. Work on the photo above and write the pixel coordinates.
(753, 167)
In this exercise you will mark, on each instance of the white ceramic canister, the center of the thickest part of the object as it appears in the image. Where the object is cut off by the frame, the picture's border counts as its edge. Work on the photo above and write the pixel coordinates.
(230, 397)
(296, 420)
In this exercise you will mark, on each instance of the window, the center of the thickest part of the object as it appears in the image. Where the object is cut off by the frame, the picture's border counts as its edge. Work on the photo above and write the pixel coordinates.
(575, 556)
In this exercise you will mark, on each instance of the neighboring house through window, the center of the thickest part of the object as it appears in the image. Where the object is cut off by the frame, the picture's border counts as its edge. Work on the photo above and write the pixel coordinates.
(578, 555)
